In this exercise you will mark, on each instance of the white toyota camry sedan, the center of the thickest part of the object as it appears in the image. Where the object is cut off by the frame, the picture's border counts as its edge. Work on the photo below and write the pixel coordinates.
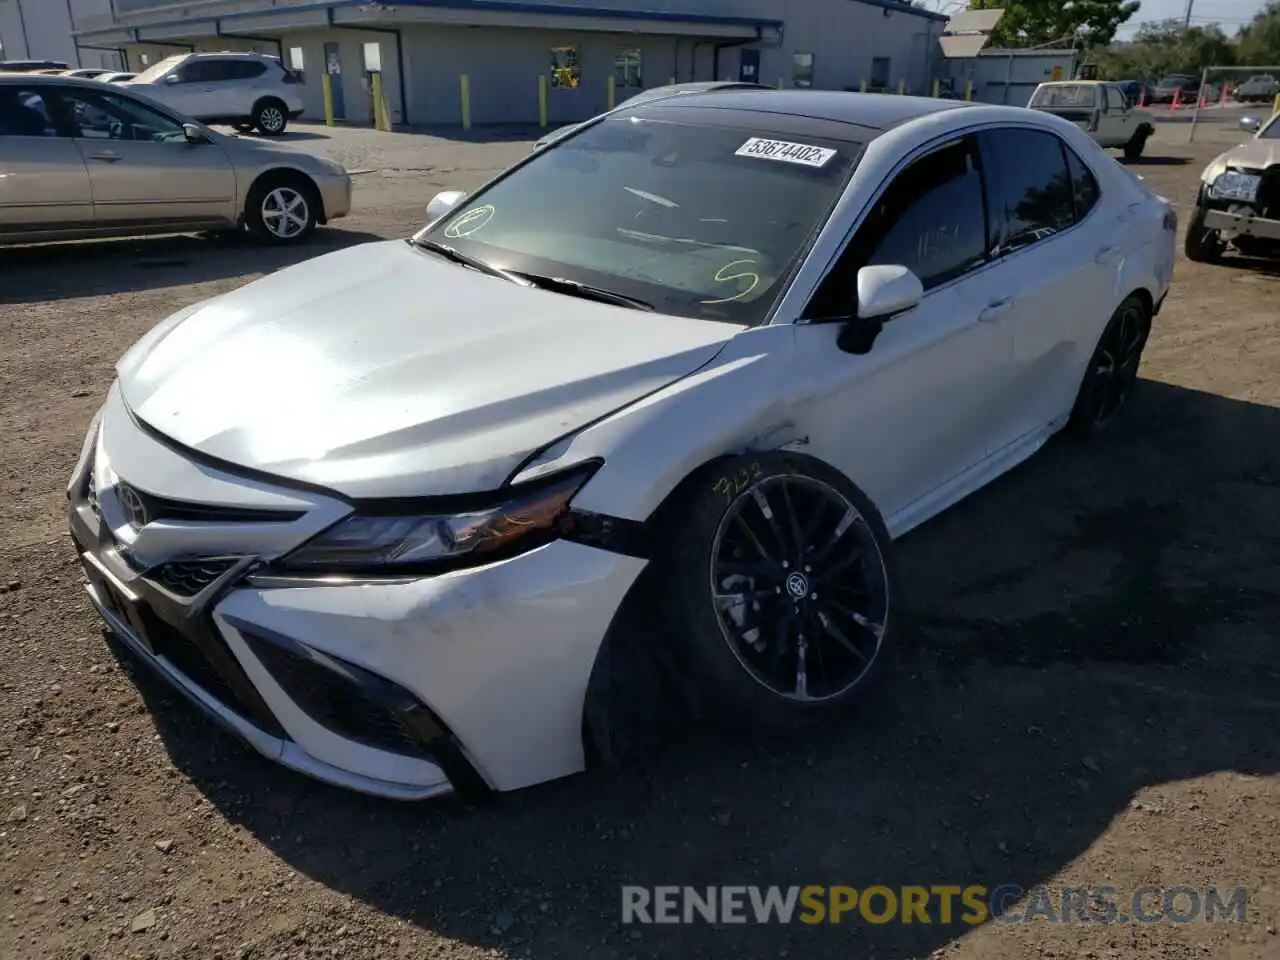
(620, 440)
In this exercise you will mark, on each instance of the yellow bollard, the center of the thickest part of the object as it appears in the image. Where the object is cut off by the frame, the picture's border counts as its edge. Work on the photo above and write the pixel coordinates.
(863, 87)
(379, 116)
(464, 91)
(542, 100)
(937, 86)
(968, 90)
(902, 87)
(326, 85)
(779, 83)
(671, 81)
(1275, 107)
(610, 85)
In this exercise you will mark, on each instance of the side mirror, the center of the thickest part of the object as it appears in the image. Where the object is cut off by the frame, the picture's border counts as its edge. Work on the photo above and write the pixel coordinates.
(884, 292)
(194, 134)
(1250, 123)
(173, 78)
(442, 203)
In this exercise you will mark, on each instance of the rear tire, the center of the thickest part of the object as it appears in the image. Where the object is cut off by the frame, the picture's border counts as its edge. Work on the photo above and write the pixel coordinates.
(271, 117)
(1202, 245)
(243, 127)
(1113, 368)
(779, 585)
(282, 209)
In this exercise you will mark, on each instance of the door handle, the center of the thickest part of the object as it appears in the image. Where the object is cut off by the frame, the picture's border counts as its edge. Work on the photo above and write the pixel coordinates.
(1106, 255)
(995, 309)
(106, 157)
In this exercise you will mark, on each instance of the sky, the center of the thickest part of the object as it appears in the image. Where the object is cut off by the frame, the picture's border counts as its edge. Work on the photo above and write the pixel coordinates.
(1231, 15)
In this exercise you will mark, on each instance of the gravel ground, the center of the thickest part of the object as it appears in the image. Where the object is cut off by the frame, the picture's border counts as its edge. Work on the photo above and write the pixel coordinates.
(1087, 690)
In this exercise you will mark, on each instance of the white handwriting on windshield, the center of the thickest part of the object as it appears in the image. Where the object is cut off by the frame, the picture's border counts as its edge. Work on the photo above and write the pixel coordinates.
(750, 277)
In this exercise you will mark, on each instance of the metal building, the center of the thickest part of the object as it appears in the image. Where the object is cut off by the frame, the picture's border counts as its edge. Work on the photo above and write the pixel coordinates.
(519, 57)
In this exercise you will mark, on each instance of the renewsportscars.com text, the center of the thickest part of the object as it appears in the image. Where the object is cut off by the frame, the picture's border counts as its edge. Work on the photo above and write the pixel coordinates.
(941, 904)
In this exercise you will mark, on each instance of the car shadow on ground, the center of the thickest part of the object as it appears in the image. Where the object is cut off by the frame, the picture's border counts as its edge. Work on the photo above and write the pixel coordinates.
(495, 133)
(63, 271)
(1098, 622)
(1259, 265)
(289, 136)
(1157, 162)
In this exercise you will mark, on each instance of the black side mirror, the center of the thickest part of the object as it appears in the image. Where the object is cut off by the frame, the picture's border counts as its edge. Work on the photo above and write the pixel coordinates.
(858, 335)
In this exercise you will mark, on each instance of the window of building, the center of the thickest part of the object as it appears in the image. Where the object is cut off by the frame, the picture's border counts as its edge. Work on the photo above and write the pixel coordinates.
(626, 69)
(1029, 190)
(566, 71)
(802, 69)
(297, 63)
(879, 73)
(373, 57)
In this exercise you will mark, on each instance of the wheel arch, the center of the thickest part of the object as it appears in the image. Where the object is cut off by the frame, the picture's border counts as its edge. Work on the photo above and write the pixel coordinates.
(263, 100)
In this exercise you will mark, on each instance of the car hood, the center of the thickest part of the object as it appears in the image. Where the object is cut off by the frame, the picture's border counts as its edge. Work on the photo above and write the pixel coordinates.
(384, 371)
(1253, 153)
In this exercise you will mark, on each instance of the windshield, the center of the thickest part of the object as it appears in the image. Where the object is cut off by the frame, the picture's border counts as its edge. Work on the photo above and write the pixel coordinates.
(701, 221)
(1272, 130)
(156, 71)
(1063, 95)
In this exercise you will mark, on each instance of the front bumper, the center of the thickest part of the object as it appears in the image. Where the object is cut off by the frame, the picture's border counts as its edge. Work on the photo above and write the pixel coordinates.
(1242, 224)
(403, 688)
(335, 194)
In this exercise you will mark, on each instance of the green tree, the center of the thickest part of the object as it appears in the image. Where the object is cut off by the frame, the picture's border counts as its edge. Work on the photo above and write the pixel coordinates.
(1259, 42)
(1163, 48)
(1035, 23)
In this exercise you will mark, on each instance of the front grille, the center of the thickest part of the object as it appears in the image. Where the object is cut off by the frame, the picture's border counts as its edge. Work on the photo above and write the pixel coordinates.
(161, 508)
(353, 703)
(186, 578)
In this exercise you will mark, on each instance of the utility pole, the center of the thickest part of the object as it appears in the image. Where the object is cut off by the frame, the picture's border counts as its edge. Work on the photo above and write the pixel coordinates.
(1186, 17)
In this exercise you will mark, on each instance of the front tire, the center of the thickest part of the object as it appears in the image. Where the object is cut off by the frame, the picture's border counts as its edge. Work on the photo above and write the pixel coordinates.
(271, 117)
(282, 209)
(1202, 245)
(780, 585)
(1137, 143)
(1113, 368)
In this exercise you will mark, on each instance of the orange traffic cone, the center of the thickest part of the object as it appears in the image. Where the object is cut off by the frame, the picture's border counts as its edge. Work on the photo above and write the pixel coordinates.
(1173, 104)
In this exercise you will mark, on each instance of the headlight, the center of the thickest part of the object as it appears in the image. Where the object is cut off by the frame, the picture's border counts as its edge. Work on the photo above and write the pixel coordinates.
(1234, 185)
(388, 542)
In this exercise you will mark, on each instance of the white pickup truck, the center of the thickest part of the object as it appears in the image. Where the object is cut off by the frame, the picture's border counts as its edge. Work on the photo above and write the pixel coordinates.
(1101, 109)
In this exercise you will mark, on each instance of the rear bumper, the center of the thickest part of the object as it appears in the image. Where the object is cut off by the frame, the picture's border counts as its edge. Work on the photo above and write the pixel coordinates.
(1242, 224)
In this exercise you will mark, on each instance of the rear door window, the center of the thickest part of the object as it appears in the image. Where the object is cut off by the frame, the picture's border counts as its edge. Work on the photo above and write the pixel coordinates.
(1029, 188)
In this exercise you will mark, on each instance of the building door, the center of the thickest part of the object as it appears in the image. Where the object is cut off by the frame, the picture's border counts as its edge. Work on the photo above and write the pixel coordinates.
(333, 67)
(879, 73)
(749, 66)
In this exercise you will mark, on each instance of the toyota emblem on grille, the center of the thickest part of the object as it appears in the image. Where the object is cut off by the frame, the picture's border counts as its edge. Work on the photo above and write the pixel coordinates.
(133, 505)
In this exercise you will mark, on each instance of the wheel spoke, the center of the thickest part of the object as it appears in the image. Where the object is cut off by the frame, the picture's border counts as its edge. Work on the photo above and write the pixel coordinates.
(839, 636)
(798, 542)
(762, 502)
(873, 628)
(741, 524)
(729, 568)
(802, 670)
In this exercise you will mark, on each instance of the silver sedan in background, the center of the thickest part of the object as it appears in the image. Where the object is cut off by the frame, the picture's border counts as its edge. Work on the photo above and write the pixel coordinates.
(82, 159)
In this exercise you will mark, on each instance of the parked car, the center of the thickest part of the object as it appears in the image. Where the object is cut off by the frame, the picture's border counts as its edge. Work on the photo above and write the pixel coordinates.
(30, 66)
(115, 77)
(1166, 87)
(245, 90)
(1258, 89)
(655, 93)
(1099, 108)
(88, 73)
(1137, 92)
(400, 515)
(84, 159)
(1238, 203)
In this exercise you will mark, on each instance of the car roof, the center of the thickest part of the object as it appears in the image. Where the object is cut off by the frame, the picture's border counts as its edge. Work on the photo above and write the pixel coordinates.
(874, 111)
(45, 80)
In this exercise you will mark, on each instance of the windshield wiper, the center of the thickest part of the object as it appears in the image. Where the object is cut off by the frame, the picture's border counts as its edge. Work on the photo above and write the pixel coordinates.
(457, 256)
(586, 291)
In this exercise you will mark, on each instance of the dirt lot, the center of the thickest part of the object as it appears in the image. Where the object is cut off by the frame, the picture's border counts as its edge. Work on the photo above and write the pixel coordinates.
(1087, 693)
